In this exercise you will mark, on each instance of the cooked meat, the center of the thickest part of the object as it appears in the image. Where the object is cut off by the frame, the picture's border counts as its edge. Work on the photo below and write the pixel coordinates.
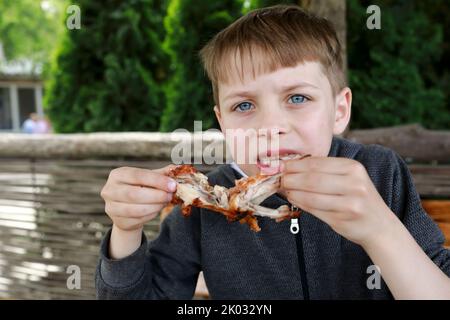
(239, 203)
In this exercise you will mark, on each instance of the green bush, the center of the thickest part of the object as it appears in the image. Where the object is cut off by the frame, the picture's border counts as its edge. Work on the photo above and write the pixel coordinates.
(189, 25)
(108, 75)
(134, 64)
(389, 68)
(27, 30)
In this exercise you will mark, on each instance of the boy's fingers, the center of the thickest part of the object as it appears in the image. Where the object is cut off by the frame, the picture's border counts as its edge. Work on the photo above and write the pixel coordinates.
(137, 195)
(133, 223)
(143, 177)
(317, 182)
(128, 210)
(323, 215)
(329, 217)
(321, 164)
(311, 200)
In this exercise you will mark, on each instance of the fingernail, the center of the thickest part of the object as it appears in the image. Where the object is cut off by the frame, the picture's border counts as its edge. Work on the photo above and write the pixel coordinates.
(172, 185)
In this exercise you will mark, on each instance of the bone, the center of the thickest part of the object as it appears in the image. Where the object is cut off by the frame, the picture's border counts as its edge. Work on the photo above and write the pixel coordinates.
(239, 203)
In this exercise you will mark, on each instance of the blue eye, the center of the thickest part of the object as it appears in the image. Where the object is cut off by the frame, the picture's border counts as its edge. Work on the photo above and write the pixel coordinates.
(298, 98)
(244, 106)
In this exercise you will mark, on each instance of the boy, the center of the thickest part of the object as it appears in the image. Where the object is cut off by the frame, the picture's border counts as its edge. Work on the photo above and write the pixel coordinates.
(279, 69)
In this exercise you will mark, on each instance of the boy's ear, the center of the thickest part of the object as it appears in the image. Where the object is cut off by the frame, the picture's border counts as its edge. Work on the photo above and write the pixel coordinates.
(343, 107)
(218, 115)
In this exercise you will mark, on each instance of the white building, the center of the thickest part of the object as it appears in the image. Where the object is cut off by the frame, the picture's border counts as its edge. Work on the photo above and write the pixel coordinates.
(20, 92)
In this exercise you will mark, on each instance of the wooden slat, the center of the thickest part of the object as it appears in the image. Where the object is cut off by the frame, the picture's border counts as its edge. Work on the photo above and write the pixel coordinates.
(439, 210)
(51, 213)
(410, 141)
(431, 180)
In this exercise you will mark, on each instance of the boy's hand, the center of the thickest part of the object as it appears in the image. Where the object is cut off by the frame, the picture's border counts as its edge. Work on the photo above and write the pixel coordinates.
(339, 192)
(135, 196)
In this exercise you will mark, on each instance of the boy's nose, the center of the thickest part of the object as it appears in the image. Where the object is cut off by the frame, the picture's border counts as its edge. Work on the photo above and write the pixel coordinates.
(273, 122)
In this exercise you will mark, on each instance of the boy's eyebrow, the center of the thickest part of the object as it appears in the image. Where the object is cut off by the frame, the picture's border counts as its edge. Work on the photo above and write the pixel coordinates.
(297, 85)
(282, 89)
(240, 94)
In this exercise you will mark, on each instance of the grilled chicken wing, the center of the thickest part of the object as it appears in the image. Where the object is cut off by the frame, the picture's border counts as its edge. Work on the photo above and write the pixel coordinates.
(239, 203)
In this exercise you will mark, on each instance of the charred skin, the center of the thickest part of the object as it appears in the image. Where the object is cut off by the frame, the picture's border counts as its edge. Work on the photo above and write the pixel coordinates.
(230, 215)
(182, 170)
(239, 205)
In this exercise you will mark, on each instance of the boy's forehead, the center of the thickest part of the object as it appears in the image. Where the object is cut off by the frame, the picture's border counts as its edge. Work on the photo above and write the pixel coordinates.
(308, 72)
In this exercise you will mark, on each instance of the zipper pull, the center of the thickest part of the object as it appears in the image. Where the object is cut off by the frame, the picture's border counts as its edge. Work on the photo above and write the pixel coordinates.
(295, 228)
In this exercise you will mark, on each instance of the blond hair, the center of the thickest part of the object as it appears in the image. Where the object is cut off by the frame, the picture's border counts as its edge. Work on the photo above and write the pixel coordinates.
(285, 35)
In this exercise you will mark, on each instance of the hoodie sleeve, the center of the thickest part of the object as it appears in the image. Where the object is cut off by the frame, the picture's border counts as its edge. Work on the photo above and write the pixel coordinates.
(166, 268)
(406, 204)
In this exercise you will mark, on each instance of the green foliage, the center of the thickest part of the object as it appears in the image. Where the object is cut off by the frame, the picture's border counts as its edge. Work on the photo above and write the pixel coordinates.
(134, 64)
(255, 4)
(391, 70)
(28, 30)
(108, 75)
(189, 25)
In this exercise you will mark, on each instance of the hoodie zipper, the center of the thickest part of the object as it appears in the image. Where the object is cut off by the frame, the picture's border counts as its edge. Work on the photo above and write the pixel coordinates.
(295, 229)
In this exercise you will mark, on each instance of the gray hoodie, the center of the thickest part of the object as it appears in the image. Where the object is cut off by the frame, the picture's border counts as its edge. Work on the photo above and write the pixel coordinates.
(238, 263)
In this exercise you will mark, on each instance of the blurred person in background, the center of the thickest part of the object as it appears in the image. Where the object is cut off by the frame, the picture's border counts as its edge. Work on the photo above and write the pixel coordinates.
(30, 125)
(43, 125)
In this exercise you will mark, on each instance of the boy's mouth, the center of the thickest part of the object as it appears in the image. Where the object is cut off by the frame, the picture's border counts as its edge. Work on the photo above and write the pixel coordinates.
(269, 163)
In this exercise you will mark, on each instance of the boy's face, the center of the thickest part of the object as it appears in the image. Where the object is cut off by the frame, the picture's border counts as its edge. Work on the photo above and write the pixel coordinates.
(292, 109)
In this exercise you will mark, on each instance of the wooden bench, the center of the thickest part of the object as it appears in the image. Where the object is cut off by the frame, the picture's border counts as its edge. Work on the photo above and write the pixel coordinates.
(439, 210)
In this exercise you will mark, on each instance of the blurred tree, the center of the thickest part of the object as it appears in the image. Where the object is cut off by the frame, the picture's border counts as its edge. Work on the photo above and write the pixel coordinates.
(28, 28)
(114, 74)
(189, 25)
(255, 4)
(437, 73)
(108, 75)
(390, 70)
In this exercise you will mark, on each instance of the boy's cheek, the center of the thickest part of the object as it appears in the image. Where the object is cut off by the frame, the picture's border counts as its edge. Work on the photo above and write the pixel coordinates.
(320, 147)
(316, 136)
